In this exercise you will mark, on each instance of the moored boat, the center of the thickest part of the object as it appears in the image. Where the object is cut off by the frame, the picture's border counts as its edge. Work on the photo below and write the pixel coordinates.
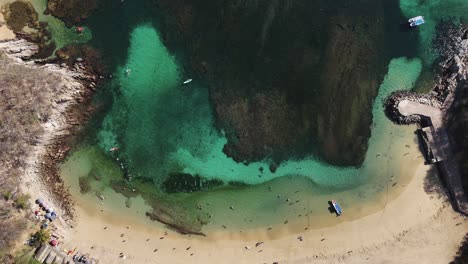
(416, 21)
(337, 207)
(187, 81)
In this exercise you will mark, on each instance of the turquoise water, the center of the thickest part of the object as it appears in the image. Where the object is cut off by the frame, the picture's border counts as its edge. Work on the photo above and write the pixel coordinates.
(164, 128)
(313, 182)
(433, 11)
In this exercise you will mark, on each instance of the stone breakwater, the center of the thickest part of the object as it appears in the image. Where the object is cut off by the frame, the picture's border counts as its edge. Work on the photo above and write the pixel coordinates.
(451, 83)
(76, 86)
(452, 45)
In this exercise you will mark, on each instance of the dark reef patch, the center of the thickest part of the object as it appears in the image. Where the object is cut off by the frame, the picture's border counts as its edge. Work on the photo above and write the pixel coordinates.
(288, 79)
(185, 182)
(349, 80)
(71, 11)
(85, 186)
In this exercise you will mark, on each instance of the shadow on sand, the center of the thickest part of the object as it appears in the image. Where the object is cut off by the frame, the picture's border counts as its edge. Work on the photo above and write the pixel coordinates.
(331, 209)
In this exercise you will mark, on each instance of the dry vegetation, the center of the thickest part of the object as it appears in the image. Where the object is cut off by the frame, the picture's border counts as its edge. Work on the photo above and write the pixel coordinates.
(23, 107)
(12, 225)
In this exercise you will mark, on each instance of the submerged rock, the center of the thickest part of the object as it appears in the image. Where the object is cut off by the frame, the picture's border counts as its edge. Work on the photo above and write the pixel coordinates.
(71, 11)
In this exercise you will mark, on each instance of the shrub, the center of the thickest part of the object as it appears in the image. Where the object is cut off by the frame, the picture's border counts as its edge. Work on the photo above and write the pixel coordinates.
(9, 232)
(42, 236)
(22, 201)
(7, 195)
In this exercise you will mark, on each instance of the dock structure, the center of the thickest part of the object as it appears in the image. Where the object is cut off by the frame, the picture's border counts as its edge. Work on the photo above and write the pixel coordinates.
(51, 257)
(439, 150)
(42, 253)
(48, 254)
(436, 144)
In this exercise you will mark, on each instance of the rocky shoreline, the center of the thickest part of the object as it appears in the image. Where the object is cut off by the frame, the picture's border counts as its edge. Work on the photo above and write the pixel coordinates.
(63, 122)
(452, 68)
(446, 95)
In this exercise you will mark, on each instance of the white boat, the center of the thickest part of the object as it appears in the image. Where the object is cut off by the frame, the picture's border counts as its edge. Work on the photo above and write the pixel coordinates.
(187, 81)
(416, 21)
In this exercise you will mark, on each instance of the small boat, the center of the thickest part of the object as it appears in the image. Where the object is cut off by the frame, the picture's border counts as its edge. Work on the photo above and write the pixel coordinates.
(416, 21)
(337, 207)
(128, 71)
(114, 149)
(187, 81)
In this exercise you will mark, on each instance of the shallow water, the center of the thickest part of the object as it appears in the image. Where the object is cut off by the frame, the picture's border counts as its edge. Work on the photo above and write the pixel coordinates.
(433, 11)
(392, 157)
(61, 35)
(163, 127)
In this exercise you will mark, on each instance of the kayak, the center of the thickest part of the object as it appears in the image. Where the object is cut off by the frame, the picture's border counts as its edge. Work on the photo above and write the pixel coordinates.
(337, 207)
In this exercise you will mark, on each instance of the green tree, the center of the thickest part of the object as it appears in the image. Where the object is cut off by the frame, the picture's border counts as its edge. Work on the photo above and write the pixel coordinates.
(42, 236)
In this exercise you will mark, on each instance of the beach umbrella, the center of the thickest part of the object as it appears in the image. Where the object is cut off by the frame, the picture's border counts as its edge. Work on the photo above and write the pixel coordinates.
(50, 210)
(39, 201)
(48, 215)
(54, 243)
(44, 226)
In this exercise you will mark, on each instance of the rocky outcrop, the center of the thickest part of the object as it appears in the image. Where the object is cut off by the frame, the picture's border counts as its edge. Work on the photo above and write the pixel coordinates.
(449, 95)
(167, 219)
(452, 44)
(71, 11)
(19, 48)
(50, 92)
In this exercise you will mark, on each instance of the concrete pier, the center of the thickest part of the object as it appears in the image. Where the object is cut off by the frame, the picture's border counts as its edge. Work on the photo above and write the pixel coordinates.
(438, 142)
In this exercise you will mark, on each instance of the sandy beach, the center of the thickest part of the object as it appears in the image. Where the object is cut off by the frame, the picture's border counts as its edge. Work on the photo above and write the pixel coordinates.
(416, 226)
(5, 32)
